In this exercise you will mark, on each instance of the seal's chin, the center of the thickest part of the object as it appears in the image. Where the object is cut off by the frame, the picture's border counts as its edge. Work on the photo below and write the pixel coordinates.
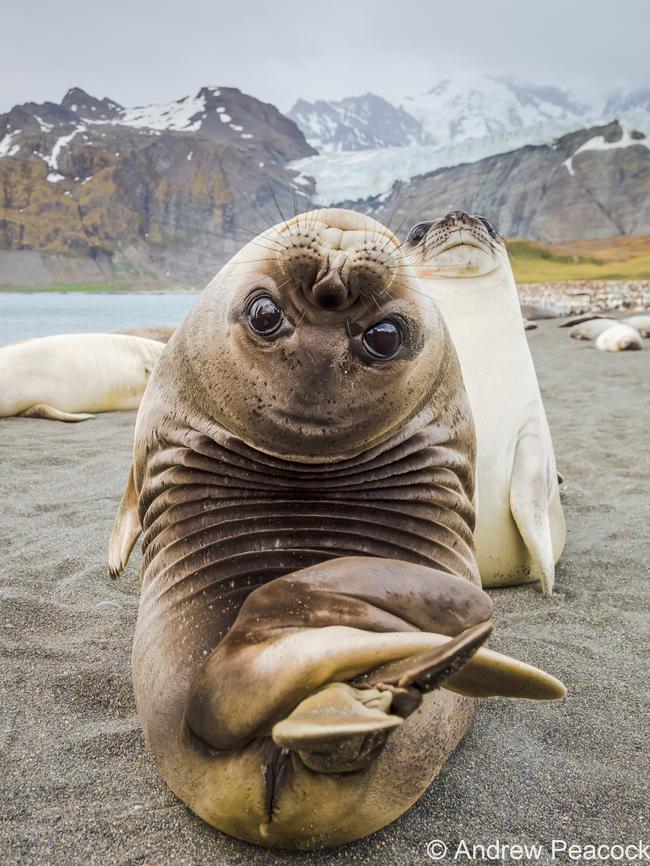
(459, 258)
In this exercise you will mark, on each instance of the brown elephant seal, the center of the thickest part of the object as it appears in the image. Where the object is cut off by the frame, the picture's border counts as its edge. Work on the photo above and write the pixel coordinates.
(579, 319)
(310, 621)
(162, 334)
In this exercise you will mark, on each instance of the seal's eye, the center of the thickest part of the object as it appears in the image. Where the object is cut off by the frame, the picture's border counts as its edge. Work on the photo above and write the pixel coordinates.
(383, 340)
(490, 228)
(417, 233)
(264, 316)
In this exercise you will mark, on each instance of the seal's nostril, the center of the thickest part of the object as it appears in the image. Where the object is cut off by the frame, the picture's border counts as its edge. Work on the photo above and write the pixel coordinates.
(330, 297)
(456, 217)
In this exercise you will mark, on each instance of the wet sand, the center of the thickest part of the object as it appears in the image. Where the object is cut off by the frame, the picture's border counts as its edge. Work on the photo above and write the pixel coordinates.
(77, 786)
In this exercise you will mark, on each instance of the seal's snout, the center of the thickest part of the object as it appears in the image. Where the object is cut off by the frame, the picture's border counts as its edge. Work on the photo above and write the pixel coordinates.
(330, 291)
(457, 219)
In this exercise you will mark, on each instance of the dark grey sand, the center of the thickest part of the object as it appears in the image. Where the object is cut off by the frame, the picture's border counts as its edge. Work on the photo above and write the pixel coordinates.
(77, 786)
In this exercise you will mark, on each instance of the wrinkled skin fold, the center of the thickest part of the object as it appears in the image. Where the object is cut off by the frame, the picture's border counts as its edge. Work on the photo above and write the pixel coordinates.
(310, 631)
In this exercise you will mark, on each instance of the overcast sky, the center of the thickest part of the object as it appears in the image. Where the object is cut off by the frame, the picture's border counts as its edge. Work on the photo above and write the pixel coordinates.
(144, 51)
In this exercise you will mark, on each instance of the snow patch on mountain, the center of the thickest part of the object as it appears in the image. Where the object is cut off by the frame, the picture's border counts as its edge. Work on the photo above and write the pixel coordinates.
(184, 115)
(474, 107)
(629, 138)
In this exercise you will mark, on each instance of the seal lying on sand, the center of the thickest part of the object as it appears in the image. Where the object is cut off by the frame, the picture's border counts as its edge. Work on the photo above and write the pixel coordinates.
(303, 473)
(591, 328)
(162, 334)
(66, 377)
(463, 265)
(640, 322)
(620, 338)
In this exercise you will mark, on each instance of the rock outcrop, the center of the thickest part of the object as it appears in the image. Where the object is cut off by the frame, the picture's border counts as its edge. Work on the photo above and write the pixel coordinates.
(154, 193)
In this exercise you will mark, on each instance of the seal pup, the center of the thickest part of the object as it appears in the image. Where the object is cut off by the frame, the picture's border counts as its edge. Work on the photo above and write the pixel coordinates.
(640, 322)
(162, 334)
(620, 338)
(303, 474)
(69, 376)
(463, 265)
(591, 328)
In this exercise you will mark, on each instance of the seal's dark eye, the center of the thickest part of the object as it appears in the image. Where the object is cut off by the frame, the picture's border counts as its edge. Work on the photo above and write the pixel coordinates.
(265, 316)
(383, 340)
(417, 233)
(490, 228)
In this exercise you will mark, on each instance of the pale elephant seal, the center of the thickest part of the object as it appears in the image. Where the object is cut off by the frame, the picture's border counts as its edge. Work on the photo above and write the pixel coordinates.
(162, 334)
(463, 265)
(640, 322)
(66, 377)
(620, 338)
(303, 474)
(591, 328)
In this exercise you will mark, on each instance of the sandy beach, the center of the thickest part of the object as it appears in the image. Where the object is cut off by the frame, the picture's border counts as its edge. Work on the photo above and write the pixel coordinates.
(77, 786)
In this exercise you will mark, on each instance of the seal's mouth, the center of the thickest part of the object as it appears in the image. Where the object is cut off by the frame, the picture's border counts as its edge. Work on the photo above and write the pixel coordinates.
(431, 239)
(461, 241)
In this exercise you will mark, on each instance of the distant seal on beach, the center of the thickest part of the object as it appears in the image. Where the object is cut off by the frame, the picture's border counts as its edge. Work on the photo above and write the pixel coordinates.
(640, 322)
(463, 265)
(161, 334)
(533, 312)
(69, 376)
(591, 328)
(577, 320)
(620, 338)
(528, 325)
(303, 474)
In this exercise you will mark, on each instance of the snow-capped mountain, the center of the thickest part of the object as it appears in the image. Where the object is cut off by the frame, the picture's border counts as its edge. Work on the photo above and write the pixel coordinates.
(90, 190)
(592, 183)
(356, 123)
(467, 107)
(454, 110)
(223, 114)
(464, 119)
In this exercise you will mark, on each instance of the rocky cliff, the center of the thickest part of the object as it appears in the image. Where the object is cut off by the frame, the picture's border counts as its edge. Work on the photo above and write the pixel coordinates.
(91, 190)
(593, 183)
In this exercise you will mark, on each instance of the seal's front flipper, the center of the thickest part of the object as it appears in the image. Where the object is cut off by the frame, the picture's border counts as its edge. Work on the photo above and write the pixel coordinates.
(429, 671)
(126, 529)
(463, 666)
(339, 729)
(529, 504)
(342, 727)
(42, 410)
(490, 674)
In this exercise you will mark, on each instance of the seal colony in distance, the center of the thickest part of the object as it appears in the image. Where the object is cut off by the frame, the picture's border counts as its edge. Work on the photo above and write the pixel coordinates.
(69, 376)
(308, 642)
(463, 265)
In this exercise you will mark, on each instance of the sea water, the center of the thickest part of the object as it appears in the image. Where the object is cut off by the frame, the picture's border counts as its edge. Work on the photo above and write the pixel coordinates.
(39, 314)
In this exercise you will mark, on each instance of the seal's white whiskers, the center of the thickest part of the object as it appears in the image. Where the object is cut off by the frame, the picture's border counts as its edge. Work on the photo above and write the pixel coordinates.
(415, 291)
(282, 217)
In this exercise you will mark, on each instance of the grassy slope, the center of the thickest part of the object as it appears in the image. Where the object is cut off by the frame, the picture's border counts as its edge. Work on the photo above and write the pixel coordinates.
(608, 259)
